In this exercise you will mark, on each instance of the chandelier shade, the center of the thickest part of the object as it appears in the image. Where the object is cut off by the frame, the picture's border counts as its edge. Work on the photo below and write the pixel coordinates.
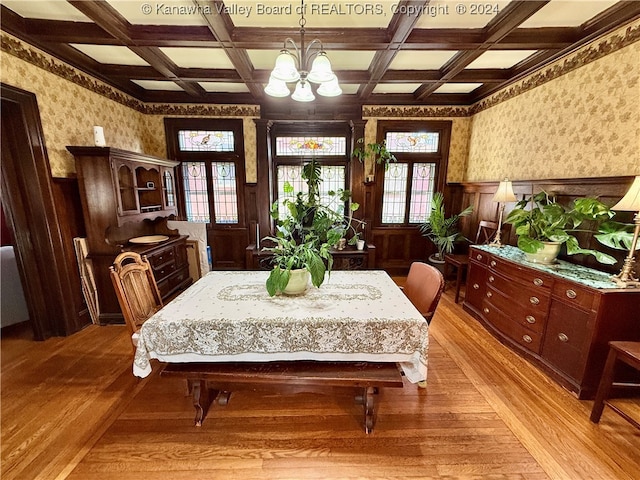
(310, 64)
(303, 92)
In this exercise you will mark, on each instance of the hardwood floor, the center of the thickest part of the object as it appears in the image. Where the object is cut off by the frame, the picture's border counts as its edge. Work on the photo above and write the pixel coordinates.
(71, 409)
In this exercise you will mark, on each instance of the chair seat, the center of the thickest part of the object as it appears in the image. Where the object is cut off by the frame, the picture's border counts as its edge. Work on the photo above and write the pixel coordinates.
(626, 352)
(457, 259)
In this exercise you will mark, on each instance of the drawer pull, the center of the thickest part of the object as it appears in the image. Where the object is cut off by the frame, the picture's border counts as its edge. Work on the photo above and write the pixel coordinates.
(527, 338)
(530, 318)
(485, 310)
(479, 257)
(571, 293)
(562, 337)
(489, 294)
(476, 286)
(537, 282)
(534, 300)
(491, 278)
(493, 263)
(161, 272)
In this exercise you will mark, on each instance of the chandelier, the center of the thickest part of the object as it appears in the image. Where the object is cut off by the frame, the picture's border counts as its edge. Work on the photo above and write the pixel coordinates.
(293, 66)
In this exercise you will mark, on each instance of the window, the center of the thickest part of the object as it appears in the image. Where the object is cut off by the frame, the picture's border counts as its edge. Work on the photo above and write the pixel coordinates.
(293, 149)
(211, 170)
(408, 185)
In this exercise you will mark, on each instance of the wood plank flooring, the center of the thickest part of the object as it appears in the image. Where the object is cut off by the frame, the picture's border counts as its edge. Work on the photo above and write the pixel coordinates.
(71, 409)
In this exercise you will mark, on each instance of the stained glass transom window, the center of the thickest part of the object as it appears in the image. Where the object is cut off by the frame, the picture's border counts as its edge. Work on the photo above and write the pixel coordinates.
(311, 146)
(333, 179)
(394, 198)
(422, 184)
(412, 142)
(195, 191)
(206, 141)
(225, 197)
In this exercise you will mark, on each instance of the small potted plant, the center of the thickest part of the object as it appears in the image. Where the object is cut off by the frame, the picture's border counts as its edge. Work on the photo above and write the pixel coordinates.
(543, 226)
(442, 231)
(377, 151)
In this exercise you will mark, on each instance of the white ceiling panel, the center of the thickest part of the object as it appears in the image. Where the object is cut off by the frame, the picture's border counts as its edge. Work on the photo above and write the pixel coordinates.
(500, 58)
(198, 57)
(224, 87)
(396, 87)
(158, 85)
(421, 60)
(335, 14)
(566, 13)
(51, 10)
(170, 12)
(459, 14)
(458, 87)
(110, 54)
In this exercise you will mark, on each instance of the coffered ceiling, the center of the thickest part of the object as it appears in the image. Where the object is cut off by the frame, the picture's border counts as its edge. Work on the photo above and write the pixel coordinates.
(409, 52)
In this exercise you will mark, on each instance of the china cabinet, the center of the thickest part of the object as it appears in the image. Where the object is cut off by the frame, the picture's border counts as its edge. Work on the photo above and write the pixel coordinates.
(127, 195)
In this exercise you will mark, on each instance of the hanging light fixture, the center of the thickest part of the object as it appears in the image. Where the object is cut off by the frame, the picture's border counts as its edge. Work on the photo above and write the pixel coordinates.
(302, 65)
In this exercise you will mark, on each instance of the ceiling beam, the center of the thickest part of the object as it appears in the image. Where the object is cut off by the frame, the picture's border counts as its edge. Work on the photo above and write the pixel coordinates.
(499, 27)
(221, 27)
(110, 20)
(399, 30)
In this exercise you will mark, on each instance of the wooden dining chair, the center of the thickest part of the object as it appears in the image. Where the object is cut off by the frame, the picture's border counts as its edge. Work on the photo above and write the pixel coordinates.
(486, 231)
(423, 287)
(136, 289)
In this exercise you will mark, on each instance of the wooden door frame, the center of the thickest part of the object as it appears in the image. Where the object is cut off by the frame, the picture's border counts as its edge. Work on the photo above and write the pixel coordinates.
(27, 193)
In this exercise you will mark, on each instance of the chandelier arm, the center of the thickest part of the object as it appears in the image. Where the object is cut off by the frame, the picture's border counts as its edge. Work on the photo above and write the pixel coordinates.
(309, 55)
(295, 55)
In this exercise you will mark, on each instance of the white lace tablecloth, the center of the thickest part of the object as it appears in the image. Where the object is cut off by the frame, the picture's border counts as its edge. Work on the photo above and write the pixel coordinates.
(229, 317)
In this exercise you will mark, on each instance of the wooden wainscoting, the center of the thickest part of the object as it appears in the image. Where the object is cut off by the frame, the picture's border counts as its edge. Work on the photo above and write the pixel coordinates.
(608, 190)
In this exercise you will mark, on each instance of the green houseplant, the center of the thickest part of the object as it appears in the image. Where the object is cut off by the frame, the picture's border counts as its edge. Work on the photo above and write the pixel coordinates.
(539, 220)
(377, 151)
(442, 231)
(306, 232)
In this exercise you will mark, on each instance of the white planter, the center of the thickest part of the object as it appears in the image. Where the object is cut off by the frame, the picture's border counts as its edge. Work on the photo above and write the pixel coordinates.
(360, 244)
(298, 282)
(545, 256)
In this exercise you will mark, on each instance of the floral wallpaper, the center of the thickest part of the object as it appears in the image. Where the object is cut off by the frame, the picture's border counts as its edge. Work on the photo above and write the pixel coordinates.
(584, 123)
(579, 117)
(70, 109)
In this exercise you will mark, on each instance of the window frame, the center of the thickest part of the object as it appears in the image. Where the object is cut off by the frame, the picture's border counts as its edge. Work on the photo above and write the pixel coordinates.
(440, 158)
(320, 129)
(173, 126)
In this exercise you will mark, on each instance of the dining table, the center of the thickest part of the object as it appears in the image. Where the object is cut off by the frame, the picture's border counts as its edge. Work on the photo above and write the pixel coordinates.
(228, 316)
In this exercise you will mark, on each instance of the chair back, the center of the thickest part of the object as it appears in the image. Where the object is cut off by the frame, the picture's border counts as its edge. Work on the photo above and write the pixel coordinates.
(136, 289)
(424, 287)
(486, 231)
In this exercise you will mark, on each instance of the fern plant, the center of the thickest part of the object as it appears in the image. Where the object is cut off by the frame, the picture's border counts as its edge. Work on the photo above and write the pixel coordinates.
(442, 231)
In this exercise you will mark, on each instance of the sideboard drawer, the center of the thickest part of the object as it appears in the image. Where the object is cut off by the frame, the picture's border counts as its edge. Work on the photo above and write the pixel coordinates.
(479, 256)
(524, 314)
(530, 278)
(525, 337)
(534, 299)
(573, 294)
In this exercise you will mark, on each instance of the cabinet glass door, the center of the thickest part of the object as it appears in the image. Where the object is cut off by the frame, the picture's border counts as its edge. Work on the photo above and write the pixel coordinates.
(127, 190)
(169, 193)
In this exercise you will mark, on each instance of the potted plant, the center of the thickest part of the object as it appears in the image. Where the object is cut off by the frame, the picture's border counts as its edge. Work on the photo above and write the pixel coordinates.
(306, 233)
(542, 224)
(294, 262)
(442, 231)
(377, 151)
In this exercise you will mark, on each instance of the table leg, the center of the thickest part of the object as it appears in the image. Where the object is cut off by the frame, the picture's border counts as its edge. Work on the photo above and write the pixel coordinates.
(201, 400)
(369, 410)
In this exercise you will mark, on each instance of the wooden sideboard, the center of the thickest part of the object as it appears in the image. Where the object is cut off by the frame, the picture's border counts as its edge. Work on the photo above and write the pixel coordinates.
(348, 259)
(559, 316)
